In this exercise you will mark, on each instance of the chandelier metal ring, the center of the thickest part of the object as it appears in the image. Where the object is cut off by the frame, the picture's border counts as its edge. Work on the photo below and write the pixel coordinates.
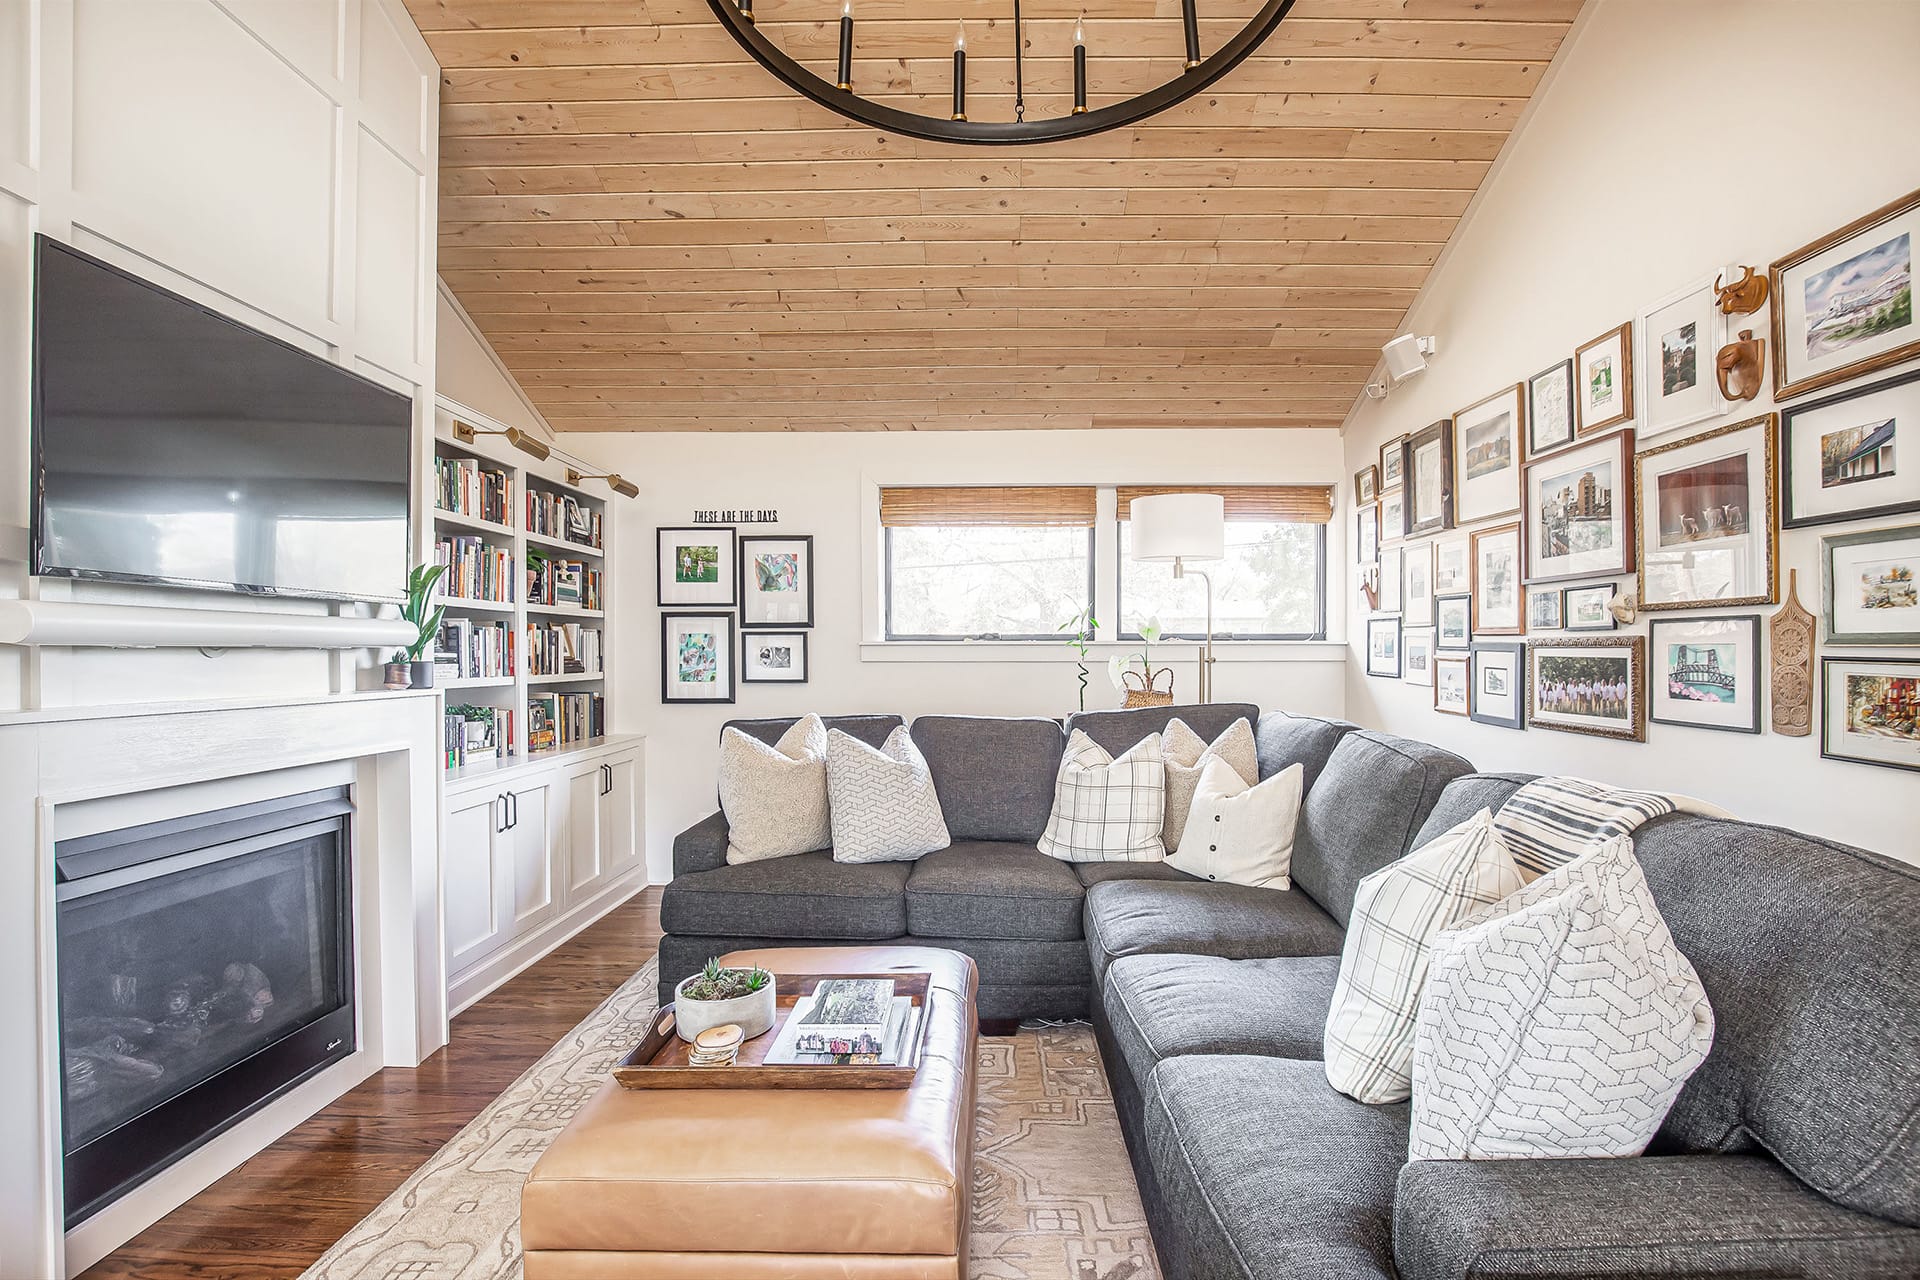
(737, 17)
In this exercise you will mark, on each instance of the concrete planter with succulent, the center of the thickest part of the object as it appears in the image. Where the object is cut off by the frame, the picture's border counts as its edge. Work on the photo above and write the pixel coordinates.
(425, 617)
(716, 996)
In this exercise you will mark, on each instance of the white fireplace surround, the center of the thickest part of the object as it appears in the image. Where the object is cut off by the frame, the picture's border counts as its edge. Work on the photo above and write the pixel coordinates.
(77, 771)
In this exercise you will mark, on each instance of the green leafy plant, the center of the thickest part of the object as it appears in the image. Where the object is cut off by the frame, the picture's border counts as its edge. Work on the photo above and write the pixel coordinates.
(1081, 628)
(716, 983)
(1117, 666)
(420, 585)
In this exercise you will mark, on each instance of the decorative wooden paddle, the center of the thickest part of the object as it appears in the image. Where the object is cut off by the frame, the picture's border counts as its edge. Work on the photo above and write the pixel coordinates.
(1790, 635)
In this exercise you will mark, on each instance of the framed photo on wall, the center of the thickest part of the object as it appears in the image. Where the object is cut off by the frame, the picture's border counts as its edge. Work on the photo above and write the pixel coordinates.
(1452, 565)
(1486, 455)
(1393, 516)
(1869, 709)
(696, 657)
(776, 581)
(1497, 601)
(1453, 621)
(1679, 338)
(1429, 488)
(1589, 686)
(1498, 683)
(1391, 476)
(696, 566)
(1843, 305)
(1603, 381)
(1870, 584)
(1391, 583)
(1543, 609)
(1550, 409)
(1450, 686)
(1366, 484)
(773, 657)
(1706, 672)
(1852, 455)
(1416, 655)
(1366, 533)
(1578, 509)
(1585, 608)
(1708, 527)
(1416, 597)
(1383, 647)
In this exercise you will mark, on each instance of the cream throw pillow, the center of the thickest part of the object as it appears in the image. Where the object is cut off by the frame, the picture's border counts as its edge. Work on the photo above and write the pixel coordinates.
(1187, 753)
(1397, 912)
(1238, 833)
(885, 808)
(1560, 1022)
(775, 797)
(1107, 809)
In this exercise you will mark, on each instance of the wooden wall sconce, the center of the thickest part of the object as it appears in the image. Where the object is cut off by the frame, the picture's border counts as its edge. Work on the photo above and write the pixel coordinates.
(1738, 366)
(1744, 296)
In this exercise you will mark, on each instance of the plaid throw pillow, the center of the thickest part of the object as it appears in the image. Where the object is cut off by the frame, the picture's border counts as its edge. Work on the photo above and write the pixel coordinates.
(1108, 810)
(1397, 913)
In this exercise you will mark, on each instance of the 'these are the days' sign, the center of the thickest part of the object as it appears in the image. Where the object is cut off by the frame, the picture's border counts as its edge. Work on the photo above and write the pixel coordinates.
(732, 515)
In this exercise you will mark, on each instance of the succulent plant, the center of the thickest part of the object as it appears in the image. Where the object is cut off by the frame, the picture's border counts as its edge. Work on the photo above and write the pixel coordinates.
(716, 983)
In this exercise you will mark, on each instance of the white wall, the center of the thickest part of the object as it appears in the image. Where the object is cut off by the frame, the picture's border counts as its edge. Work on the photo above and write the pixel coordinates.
(273, 159)
(1640, 170)
(823, 485)
(468, 373)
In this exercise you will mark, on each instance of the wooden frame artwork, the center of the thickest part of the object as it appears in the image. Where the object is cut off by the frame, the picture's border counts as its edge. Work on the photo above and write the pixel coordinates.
(1577, 505)
(1427, 464)
(1706, 520)
(1450, 677)
(1366, 485)
(1842, 294)
(1489, 440)
(1589, 685)
(1390, 459)
(1603, 381)
(1498, 602)
(1550, 409)
(1393, 515)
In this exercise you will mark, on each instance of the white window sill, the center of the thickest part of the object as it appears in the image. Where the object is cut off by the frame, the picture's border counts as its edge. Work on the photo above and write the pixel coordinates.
(1057, 651)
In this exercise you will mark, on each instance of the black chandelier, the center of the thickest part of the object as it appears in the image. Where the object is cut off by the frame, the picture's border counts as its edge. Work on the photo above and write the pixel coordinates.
(839, 94)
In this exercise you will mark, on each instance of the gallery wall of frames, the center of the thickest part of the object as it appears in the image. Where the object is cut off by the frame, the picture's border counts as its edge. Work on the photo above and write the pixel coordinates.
(1703, 520)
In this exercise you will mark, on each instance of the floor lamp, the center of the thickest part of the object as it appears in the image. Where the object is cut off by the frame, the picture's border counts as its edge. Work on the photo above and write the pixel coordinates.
(1183, 528)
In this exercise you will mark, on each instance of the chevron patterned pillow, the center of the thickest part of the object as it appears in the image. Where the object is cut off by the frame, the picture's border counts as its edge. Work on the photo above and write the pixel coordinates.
(1560, 1022)
(883, 804)
(1107, 809)
(775, 797)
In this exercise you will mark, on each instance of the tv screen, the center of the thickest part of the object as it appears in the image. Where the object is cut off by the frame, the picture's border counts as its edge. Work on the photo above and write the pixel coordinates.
(173, 445)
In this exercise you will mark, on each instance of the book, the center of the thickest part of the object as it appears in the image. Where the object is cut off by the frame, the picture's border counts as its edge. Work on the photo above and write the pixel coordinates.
(792, 1045)
(846, 1007)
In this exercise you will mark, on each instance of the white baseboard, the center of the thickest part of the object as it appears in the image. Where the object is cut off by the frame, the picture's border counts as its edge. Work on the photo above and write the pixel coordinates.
(468, 987)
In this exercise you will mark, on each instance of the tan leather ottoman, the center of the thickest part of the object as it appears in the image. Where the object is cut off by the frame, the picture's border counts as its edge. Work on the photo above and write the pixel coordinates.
(741, 1184)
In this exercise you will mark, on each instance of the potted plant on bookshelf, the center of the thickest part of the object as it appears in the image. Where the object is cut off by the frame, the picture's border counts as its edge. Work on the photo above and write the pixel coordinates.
(395, 676)
(425, 617)
(715, 997)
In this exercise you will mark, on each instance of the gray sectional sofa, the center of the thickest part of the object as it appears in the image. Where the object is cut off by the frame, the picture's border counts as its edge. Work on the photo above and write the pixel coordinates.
(1793, 1151)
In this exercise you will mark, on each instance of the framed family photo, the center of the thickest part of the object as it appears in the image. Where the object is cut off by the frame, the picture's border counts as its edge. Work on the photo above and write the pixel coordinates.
(1843, 305)
(1585, 608)
(1852, 455)
(1383, 647)
(1870, 586)
(1870, 711)
(1429, 487)
(773, 657)
(1450, 686)
(1603, 381)
(1497, 600)
(1680, 337)
(696, 566)
(1591, 686)
(1708, 527)
(1453, 621)
(776, 581)
(1499, 677)
(1706, 672)
(1550, 409)
(696, 657)
(1577, 511)
(1486, 456)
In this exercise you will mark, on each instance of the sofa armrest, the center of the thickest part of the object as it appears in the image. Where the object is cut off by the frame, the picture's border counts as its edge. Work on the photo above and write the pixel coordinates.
(702, 846)
(1708, 1217)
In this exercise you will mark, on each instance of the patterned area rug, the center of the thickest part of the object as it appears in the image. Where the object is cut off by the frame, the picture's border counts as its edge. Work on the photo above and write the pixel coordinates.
(1053, 1194)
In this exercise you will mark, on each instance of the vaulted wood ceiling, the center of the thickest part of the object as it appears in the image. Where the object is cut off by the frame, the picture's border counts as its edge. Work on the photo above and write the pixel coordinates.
(658, 235)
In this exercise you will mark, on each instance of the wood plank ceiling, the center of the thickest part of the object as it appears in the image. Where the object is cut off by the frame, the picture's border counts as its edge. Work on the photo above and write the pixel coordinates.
(657, 235)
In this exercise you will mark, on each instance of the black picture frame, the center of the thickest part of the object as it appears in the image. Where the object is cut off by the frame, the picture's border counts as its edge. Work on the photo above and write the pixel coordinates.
(1384, 623)
(1566, 606)
(725, 646)
(1657, 671)
(748, 639)
(1417, 524)
(1788, 416)
(1453, 599)
(1827, 665)
(729, 576)
(1516, 653)
(742, 554)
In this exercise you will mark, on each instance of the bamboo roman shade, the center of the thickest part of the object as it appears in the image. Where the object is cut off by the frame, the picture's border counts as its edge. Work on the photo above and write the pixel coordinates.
(1068, 505)
(1292, 503)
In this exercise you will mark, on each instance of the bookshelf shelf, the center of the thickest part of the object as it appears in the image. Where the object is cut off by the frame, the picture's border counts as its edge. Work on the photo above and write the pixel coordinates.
(570, 678)
(477, 682)
(561, 544)
(457, 604)
(565, 611)
(454, 520)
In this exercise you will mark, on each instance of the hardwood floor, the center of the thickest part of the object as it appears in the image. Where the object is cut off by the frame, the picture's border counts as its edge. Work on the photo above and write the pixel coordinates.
(270, 1218)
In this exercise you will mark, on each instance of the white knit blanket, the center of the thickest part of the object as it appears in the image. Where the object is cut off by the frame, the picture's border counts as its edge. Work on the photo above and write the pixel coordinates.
(1551, 821)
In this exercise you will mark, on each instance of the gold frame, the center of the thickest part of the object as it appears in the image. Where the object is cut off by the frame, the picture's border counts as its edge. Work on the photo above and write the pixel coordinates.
(1519, 579)
(1391, 447)
(1371, 473)
(1637, 647)
(1581, 427)
(1782, 389)
(1769, 429)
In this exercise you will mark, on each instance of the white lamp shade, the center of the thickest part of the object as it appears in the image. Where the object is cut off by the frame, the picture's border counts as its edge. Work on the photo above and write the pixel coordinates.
(1179, 526)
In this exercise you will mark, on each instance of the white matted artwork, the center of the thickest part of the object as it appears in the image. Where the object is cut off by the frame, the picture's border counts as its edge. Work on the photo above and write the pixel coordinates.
(1450, 686)
(776, 581)
(1393, 515)
(1868, 711)
(1453, 621)
(1603, 381)
(1498, 683)
(1416, 655)
(1391, 585)
(1706, 672)
(1680, 336)
(1487, 445)
(1706, 519)
(1452, 565)
(1843, 305)
(1497, 598)
(773, 657)
(1871, 586)
(1383, 647)
(1852, 455)
(696, 566)
(1550, 408)
(1416, 598)
(696, 657)
(1578, 510)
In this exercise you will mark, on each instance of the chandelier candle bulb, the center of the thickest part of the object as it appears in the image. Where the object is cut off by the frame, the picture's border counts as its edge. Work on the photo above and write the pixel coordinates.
(746, 9)
(960, 73)
(846, 46)
(1190, 19)
(1080, 67)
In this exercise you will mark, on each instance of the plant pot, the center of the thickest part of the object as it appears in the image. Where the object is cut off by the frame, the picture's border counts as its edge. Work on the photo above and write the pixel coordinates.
(422, 673)
(752, 1012)
(396, 676)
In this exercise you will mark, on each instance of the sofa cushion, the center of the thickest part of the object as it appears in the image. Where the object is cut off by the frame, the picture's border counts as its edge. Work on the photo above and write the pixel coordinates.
(1092, 873)
(1364, 812)
(994, 775)
(1283, 739)
(1266, 1173)
(1203, 918)
(1160, 1007)
(1811, 958)
(1466, 796)
(806, 896)
(1118, 730)
(993, 889)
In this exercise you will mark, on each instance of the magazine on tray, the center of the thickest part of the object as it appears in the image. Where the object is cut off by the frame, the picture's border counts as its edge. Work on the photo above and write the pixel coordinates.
(794, 1044)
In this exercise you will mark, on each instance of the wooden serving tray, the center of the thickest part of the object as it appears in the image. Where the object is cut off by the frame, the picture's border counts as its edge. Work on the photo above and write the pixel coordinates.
(662, 1058)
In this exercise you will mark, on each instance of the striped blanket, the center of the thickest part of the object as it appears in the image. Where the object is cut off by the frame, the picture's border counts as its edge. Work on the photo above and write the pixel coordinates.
(1551, 821)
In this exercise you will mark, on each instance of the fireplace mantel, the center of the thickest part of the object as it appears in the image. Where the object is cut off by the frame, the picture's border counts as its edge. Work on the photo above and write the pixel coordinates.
(120, 766)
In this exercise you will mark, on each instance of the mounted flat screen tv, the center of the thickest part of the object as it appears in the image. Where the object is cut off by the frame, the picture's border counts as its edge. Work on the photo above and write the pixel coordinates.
(173, 445)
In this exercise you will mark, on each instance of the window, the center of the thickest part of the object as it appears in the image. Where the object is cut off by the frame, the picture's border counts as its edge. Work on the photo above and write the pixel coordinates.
(1270, 586)
(986, 563)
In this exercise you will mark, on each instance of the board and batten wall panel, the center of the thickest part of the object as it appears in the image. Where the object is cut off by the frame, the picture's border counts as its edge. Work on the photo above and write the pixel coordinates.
(1638, 172)
(271, 159)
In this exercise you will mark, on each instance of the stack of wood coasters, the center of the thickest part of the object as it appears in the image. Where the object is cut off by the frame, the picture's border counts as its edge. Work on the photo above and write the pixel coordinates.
(717, 1046)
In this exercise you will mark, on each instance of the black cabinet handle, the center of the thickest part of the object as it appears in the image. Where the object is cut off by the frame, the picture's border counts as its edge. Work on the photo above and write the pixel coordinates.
(606, 779)
(499, 813)
(513, 809)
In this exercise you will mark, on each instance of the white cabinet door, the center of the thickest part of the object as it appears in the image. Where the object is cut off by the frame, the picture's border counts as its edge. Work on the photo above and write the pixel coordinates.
(620, 841)
(582, 863)
(529, 846)
(477, 899)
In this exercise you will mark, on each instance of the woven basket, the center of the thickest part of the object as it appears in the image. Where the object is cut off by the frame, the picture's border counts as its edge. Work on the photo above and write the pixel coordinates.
(1143, 690)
